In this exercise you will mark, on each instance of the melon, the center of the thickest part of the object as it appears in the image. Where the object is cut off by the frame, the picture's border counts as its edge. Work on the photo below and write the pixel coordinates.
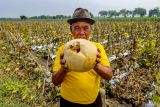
(80, 55)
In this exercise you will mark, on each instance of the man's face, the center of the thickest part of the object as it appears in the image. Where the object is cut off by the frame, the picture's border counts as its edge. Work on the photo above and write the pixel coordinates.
(81, 30)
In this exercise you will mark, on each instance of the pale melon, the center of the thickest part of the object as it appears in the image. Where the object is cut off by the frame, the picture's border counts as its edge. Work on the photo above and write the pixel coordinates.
(80, 55)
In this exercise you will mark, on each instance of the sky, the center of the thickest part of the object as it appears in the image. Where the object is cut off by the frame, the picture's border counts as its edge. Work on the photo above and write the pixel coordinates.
(16, 8)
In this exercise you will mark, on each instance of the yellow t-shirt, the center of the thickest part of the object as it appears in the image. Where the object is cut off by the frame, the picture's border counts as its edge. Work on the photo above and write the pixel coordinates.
(81, 87)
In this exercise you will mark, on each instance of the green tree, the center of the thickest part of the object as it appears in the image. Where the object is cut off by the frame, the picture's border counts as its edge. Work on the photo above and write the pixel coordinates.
(42, 17)
(111, 13)
(154, 12)
(128, 13)
(23, 17)
(117, 14)
(54, 17)
(92, 15)
(103, 13)
(123, 12)
(34, 17)
(139, 11)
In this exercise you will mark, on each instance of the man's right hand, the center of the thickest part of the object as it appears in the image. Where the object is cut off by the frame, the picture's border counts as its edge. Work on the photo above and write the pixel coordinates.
(58, 76)
(64, 66)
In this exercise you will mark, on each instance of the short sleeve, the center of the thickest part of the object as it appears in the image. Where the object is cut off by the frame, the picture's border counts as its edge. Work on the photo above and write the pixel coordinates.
(57, 65)
(104, 58)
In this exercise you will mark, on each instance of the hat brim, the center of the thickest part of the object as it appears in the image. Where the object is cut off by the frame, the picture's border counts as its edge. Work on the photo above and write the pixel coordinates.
(73, 20)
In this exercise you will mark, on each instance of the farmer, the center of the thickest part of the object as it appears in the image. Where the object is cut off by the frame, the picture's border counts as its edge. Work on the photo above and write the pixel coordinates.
(81, 89)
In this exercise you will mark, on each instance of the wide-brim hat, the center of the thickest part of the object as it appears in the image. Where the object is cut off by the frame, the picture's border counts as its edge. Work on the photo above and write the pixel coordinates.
(81, 14)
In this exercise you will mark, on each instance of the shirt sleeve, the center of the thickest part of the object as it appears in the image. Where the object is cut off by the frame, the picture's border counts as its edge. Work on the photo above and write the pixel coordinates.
(104, 58)
(57, 64)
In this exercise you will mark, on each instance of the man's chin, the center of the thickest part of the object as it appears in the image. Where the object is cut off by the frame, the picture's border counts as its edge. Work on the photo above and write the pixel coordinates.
(82, 38)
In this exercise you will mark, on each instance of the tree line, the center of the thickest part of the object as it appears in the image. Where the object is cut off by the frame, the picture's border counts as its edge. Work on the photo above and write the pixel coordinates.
(137, 12)
(23, 17)
(48, 17)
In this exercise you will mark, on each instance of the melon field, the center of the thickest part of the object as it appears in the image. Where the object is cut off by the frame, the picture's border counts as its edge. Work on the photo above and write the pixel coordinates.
(28, 49)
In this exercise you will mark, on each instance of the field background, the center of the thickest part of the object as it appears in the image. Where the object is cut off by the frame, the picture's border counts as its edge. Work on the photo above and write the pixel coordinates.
(28, 49)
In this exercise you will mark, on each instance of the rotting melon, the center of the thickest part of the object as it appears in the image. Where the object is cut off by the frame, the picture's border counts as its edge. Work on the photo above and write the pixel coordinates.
(80, 55)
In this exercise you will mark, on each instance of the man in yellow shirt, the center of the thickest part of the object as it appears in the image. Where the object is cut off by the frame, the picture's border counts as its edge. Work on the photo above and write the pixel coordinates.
(81, 89)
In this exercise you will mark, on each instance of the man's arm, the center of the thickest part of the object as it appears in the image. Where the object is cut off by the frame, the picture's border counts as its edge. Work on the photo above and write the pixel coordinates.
(104, 71)
(58, 76)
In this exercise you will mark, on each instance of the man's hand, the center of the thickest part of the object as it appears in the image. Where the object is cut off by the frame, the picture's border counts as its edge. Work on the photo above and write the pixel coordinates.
(58, 76)
(64, 66)
(104, 71)
(98, 60)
